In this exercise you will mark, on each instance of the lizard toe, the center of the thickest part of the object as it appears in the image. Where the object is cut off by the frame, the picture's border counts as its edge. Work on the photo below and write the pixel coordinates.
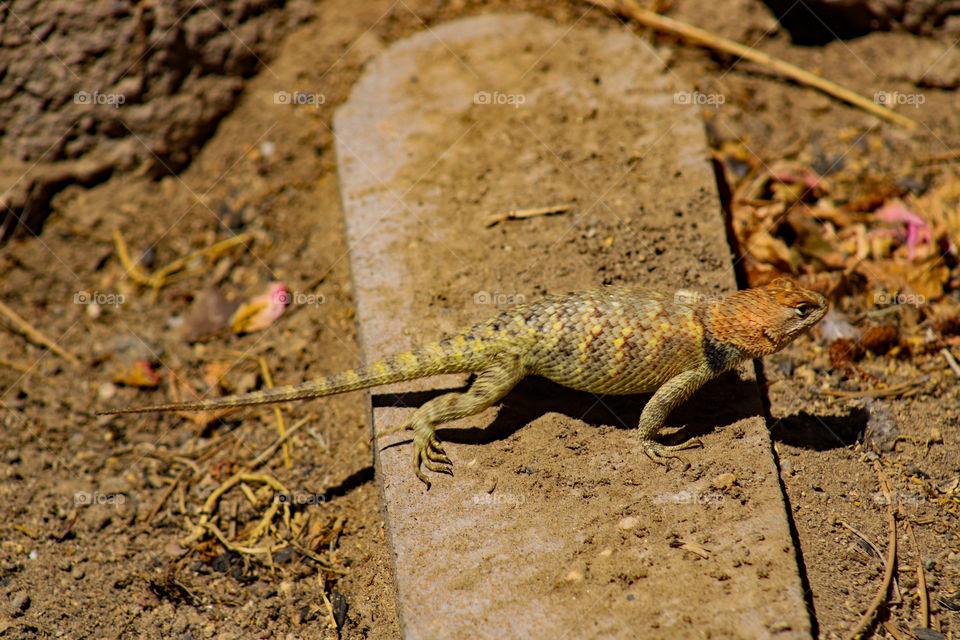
(417, 461)
(437, 456)
(692, 443)
(436, 453)
(662, 454)
(439, 467)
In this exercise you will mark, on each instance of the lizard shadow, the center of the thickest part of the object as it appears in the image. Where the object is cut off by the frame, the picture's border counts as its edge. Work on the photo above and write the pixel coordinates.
(820, 433)
(722, 401)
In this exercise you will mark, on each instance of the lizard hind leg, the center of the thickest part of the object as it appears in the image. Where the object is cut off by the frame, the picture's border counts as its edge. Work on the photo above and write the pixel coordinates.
(491, 385)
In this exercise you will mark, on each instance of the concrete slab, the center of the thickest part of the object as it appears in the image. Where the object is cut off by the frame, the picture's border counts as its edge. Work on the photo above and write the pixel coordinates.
(555, 525)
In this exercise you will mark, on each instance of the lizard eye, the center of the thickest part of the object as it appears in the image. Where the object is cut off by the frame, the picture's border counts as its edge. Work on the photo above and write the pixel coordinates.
(803, 309)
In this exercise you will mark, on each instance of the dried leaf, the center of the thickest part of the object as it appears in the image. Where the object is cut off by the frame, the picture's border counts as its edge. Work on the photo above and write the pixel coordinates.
(261, 311)
(913, 229)
(139, 374)
(903, 282)
(765, 248)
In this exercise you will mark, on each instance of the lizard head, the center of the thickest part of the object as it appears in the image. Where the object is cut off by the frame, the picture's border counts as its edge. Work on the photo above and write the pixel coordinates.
(790, 310)
(764, 320)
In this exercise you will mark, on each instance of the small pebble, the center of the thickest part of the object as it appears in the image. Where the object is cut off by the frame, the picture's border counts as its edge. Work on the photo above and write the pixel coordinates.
(724, 481)
(628, 523)
(78, 573)
(246, 382)
(175, 550)
(19, 602)
(927, 634)
(606, 553)
(107, 390)
(914, 470)
(574, 576)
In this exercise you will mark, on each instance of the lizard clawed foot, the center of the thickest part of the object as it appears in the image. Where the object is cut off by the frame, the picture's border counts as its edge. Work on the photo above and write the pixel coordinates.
(428, 452)
(662, 454)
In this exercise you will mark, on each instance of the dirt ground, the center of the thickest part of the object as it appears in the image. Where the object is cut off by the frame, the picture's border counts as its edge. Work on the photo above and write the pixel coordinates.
(94, 507)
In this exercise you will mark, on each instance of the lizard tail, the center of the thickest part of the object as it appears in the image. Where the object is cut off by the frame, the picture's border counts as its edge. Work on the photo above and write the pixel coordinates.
(453, 355)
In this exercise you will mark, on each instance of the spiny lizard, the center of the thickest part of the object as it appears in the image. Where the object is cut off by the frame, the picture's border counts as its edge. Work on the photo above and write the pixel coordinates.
(614, 340)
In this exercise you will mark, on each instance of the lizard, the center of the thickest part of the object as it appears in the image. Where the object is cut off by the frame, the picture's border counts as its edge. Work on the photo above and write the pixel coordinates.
(613, 340)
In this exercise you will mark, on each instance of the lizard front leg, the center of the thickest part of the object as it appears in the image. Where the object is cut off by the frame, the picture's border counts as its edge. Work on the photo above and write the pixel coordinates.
(672, 393)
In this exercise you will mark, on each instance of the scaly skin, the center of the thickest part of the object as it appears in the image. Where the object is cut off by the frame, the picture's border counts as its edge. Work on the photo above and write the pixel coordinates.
(615, 340)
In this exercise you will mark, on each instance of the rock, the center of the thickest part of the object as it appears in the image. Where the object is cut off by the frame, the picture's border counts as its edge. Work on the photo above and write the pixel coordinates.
(286, 589)
(106, 391)
(19, 603)
(724, 482)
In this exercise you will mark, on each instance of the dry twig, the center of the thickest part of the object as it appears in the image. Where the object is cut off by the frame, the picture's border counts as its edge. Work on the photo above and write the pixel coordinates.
(32, 334)
(898, 390)
(211, 502)
(326, 601)
(164, 276)
(951, 361)
(876, 551)
(268, 381)
(22, 368)
(704, 38)
(516, 214)
(269, 451)
(281, 427)
(165, 496)
(884, 589)
(921, 582)
(894, 630)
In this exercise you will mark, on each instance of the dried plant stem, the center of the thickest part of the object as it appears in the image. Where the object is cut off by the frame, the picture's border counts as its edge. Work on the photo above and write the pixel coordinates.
(884, 589)
(704, 38)
(32, 334)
